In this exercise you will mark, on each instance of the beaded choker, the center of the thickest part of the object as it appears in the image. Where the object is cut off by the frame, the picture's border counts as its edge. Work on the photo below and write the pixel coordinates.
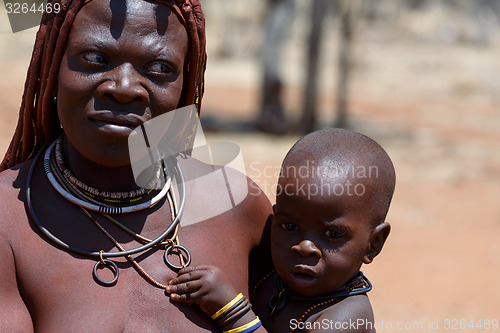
(90, 203)
(112, 197)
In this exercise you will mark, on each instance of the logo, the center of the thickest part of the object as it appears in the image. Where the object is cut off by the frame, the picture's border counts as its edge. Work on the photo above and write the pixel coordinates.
(198, 169)
(25, 14)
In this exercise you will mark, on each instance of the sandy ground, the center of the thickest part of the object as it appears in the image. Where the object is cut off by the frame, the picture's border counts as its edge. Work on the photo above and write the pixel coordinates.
(435, 108)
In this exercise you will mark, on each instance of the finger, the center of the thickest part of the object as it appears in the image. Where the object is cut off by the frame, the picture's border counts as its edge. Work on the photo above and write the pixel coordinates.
(190, 273)
(192, 269)
(184, 288)
(185, 298)
(187, 276)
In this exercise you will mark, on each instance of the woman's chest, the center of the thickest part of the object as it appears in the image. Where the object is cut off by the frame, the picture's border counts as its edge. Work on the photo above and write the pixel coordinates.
(62, 291)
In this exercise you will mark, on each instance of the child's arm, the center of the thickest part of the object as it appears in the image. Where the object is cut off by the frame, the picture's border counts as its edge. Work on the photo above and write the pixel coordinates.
(207, 287)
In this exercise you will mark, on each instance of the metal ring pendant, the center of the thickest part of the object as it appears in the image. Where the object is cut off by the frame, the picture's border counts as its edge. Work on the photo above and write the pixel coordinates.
(180, 248)
(114, 269)
(277, 302)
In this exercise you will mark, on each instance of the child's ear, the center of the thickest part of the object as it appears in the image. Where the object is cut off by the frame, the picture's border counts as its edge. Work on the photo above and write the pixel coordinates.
(377, 240)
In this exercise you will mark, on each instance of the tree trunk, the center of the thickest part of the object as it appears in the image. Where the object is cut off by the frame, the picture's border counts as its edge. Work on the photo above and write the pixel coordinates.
(311, 88)
(272, 114)
(344, 66)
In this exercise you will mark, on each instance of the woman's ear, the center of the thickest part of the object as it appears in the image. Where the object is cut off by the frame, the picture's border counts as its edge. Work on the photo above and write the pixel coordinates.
(377, 240)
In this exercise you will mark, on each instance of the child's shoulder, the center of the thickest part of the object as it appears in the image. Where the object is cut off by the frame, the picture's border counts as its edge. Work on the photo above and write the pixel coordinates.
(351, 314)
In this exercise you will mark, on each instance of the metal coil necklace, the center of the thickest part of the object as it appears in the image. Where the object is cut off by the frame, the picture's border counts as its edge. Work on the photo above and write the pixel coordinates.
(70, 193)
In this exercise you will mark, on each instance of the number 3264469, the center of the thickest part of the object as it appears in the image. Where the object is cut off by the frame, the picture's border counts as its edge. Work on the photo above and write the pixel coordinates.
(27, 8)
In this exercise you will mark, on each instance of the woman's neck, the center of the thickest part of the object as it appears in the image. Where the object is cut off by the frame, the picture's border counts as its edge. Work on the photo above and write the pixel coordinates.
(113, 179)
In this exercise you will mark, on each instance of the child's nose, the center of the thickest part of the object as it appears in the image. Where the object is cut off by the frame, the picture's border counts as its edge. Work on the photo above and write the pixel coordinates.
(124, 85)
(306, 248)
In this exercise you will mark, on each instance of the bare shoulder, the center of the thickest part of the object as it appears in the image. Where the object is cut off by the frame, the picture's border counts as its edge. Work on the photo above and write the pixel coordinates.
(352, 314)
(14, 315)
(225, 203)
(224, 193)
(13, 219)
(7, 179)
(12, 191)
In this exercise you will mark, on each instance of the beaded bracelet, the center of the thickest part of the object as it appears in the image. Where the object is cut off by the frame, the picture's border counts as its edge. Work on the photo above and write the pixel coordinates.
(250, 327)
(227, 306)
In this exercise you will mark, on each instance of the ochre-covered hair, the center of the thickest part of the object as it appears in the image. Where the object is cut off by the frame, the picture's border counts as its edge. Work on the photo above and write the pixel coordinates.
(38, 120)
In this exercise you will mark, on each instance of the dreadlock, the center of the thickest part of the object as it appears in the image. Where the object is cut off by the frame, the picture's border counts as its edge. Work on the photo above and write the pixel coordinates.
(38, 121)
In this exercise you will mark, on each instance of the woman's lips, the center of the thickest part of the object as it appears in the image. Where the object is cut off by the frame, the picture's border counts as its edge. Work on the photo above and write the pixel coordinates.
(116, 124)
(113, 129)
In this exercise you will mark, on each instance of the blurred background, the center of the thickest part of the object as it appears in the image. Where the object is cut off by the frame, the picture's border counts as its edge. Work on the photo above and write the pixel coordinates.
(421, 77)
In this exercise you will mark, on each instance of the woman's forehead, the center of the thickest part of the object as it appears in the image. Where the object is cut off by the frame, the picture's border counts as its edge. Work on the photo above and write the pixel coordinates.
(142, 15)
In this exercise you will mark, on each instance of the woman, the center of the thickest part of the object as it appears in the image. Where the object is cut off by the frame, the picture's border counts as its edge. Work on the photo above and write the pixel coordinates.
(100, 69)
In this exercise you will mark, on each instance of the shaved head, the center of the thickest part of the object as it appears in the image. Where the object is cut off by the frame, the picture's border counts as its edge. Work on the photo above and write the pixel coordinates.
(339, 156)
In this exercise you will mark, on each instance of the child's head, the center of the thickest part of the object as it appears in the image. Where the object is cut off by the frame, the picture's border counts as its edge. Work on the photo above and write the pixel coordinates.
(334, 192)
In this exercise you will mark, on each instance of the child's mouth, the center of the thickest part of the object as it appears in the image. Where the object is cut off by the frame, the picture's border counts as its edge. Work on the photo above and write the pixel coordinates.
(303, 279)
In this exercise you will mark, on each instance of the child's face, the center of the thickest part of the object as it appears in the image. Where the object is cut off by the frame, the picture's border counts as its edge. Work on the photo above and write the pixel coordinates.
(123, 65)
(319, 241)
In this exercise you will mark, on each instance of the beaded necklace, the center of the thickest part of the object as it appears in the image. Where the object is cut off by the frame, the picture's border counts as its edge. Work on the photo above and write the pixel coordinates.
(71, 194)
(356, 286)
(101, 208)
(91, 192)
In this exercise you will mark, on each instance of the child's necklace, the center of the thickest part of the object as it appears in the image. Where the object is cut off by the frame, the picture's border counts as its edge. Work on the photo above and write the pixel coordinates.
(358, 285)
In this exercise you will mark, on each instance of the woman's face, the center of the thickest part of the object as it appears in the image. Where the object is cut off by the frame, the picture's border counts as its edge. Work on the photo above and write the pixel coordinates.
(123, 65)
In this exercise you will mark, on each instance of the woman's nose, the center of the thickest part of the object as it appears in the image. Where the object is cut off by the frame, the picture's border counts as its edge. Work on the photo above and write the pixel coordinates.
(125, 85)
(306, 248)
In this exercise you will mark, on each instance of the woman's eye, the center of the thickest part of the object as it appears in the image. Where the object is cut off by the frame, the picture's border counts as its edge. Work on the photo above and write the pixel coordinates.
(159, 68)
(332, 234)
(94, 58)
(288, 226)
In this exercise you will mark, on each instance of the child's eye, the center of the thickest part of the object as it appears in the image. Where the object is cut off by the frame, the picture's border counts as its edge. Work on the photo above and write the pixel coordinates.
(94, 58)
(333, 234)
(288, 226)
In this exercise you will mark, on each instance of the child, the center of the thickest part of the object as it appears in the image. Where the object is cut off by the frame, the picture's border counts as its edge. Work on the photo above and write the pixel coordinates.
(332, 198)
